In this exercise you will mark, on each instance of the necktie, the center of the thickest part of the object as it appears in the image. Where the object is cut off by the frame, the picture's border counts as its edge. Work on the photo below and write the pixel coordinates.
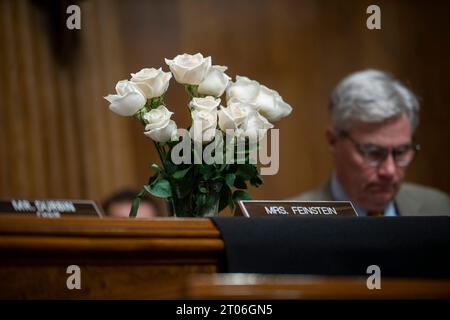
(375, 213)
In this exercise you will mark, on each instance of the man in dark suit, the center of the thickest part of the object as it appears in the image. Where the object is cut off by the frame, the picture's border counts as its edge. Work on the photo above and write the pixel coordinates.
(373, 118)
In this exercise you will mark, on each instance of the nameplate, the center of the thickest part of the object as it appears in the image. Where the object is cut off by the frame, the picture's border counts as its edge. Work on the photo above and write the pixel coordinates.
(259, 208)
(49, 208)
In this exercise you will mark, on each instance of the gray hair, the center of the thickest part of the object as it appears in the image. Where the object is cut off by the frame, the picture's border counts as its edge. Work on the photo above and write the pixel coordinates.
(371, 96)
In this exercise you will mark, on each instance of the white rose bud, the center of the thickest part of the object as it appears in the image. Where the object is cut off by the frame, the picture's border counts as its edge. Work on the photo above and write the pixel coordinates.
(128, 100)
(152, 82)
(204, 125)
(243, 89)
(271, 105)
(215, 82)
(160, 127)
(189, 69)
(208, 103)
(233, 116)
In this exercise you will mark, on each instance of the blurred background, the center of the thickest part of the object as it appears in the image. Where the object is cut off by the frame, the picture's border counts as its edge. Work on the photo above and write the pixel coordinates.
(58, 138)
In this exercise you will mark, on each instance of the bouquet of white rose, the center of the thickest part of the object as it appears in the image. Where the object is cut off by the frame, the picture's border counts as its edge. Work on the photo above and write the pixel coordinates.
(207, 167)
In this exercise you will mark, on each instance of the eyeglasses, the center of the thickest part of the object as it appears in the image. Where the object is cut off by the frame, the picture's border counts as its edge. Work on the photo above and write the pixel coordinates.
(374, 155)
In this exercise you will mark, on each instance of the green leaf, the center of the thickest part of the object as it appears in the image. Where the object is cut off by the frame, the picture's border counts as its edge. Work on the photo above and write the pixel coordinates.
(256, 181)
(206, 171)
(180, 173)
(246, 171)
(239, 183)
(241, 195)
(160, 188)
(170, 167)
(229, 179)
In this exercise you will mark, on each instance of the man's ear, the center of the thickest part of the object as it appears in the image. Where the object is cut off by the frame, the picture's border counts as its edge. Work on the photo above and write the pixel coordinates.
(332, 138)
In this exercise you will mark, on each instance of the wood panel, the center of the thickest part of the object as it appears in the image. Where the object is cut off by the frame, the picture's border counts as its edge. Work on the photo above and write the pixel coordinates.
(118, 258)
(158, 259)
(256, 287)
(58, 138)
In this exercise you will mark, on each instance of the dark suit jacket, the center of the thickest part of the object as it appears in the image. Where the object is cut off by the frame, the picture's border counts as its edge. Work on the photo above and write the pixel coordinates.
(411, 199)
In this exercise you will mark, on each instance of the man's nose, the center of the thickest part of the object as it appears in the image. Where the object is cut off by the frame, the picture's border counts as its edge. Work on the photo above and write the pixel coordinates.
(388, 167)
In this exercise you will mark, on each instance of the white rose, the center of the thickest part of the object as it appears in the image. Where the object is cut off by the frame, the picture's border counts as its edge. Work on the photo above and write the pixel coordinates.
(234, 101)
(268, 102)
(244, 119)
(271, 105)
(215, 82)
(243, 89)
(189, 69)
(204, 125)
(152, 82)
(128, 100)
(256, 126)
(233, 116)
(160, 127)
(208, 103)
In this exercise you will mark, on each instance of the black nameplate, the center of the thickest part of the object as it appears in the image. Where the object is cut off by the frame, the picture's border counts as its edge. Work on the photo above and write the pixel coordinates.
(49, 208)
(258, 208)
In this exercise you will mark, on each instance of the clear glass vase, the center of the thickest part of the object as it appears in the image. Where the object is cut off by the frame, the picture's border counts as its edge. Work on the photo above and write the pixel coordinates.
(199, 201)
